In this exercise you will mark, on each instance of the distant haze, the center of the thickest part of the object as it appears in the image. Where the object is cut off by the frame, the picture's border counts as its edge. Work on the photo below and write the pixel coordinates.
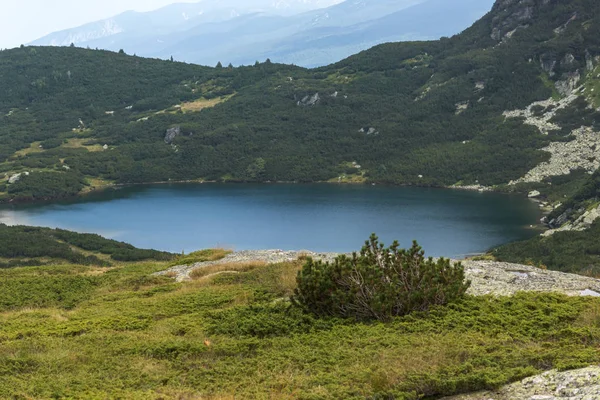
(308, 33)
(26, 20)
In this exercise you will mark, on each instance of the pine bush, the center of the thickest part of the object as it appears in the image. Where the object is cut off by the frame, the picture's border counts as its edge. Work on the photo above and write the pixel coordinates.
(378, 283)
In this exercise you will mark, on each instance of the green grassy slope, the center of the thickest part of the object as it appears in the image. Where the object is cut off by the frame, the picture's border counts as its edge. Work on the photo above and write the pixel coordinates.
(32, 246)
(409, 93)
(79, 332)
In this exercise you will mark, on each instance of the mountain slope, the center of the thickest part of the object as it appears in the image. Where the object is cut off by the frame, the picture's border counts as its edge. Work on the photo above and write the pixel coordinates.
(242, 34)
(424, 113)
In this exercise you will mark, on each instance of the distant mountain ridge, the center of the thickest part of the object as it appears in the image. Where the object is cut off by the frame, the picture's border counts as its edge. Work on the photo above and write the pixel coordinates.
(307, 33)
(175, 17)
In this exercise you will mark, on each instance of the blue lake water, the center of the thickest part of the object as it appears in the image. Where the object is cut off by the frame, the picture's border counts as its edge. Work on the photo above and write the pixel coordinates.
(320, 217)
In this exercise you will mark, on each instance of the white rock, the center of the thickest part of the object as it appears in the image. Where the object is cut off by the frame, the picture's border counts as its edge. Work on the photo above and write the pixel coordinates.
(14, 179)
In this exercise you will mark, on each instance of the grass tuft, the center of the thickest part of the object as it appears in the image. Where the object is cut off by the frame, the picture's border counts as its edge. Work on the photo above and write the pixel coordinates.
(201, 256)
(212, 270)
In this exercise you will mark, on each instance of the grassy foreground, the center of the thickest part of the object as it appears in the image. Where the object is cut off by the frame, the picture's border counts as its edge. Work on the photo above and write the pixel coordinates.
(97, 333)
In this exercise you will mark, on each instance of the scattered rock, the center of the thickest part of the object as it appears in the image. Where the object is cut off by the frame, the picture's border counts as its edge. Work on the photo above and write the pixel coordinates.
(581, 153)
(105, 147)
(541, 120)
(477, 187)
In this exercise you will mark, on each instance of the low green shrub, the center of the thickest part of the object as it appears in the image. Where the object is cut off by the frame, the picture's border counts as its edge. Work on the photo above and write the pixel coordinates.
(379, 283)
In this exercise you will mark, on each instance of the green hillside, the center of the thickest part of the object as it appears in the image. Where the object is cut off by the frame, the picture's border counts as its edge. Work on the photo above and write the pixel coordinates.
(425, 113)
(420, 113)
(25, 246)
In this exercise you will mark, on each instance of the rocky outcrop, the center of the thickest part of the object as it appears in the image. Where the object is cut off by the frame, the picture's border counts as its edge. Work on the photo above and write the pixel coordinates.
(511, 15)
(580, 384)
(171, 134)
(559, 30)
(16, 177)
(487, 277)
(309, 100)
(590, 61)
(461, 107)
(585, 221)
(540, 113)
(182, 272)
(505, 279)
(583, 152)
(568, 83)
(548, 64)
(369, 131)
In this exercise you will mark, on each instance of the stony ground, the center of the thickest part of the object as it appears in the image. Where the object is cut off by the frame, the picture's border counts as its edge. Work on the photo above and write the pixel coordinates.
(504, 279)
(487, 277)
(581, 384)
(182, 272)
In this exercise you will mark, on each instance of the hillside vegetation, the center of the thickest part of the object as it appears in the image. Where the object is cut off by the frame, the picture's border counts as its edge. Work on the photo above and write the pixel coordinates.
(75, 331)
(32, 246)
(426, 113)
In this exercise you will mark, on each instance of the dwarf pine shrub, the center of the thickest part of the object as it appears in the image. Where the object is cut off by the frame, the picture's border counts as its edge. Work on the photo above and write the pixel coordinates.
(378, 283)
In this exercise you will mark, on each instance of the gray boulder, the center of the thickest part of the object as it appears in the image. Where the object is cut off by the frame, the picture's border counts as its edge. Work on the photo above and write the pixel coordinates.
(172, 133)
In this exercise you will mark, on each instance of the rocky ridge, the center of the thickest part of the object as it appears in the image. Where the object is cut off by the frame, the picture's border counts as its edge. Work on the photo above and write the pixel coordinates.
(583, 222)
(580, 384)
(487, 277)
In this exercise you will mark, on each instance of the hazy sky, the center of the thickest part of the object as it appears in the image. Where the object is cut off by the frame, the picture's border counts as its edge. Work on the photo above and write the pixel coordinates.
(23, 21)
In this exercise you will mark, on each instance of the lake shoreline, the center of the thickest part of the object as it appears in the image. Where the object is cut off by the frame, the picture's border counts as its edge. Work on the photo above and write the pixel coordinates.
(97, 189)
(296, 215)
